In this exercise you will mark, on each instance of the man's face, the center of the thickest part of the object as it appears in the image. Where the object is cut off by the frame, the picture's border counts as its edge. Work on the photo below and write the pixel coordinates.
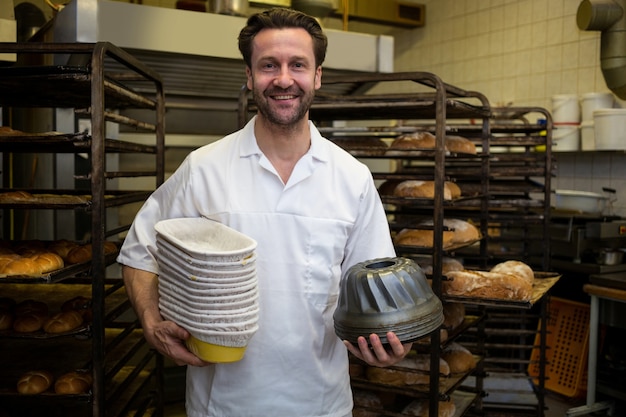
(283, 76)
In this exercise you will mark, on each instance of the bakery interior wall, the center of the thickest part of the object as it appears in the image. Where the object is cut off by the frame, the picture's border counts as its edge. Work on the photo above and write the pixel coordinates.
(516, 52)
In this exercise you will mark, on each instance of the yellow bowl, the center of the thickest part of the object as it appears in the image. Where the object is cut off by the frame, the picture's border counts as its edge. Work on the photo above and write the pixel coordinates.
(214, 353)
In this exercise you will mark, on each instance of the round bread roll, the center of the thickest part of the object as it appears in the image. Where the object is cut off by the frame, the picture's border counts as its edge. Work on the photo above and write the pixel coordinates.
(22, 266)
(464, 232)
(34, 382)
(459, 358)
(517, 268)
(28, 322)
(79, 254)
(75, 382)
(421, 408)
(48, 262)
(460, 144)
(63, 321)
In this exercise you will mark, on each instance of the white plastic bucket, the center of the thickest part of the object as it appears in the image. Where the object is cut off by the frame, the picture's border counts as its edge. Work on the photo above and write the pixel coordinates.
(565, 108)
(610, 129)
(595, 101)
(587, 136)
(566, 138)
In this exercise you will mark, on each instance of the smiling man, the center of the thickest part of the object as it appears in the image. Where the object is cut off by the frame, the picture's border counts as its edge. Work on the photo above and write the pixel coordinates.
(313, 210)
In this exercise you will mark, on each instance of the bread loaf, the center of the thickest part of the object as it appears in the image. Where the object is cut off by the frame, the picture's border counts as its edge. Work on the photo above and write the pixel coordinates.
(517, 268)
(420, 189)
(447, 264)
(421, 408)
(413, 141)
(80, 304)
(459, 358)
(368, 399)
(482, 284)
(62, 247)
(416, 371)
(34, 382)
(79, 254)
(28, 322)
(16, 197)
(63, 321)
(75, 382)
(460, 144)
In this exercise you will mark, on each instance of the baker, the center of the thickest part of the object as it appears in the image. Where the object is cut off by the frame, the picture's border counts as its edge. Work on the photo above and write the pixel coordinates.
(313, 210)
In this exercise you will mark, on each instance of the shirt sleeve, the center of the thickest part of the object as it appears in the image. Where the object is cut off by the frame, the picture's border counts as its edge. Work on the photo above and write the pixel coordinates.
(170, 200)
(370, 237)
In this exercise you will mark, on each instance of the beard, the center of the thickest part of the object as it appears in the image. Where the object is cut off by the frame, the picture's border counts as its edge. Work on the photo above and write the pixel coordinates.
(272, 112)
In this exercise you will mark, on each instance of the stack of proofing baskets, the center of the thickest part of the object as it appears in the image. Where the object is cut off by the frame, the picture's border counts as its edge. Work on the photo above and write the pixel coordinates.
(208, 285)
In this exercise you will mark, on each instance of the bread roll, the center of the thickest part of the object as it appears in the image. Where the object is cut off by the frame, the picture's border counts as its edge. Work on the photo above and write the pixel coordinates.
(22, 266)
(420, 189)
(28, 322)
(75, 382)
(388, 187)
(421, 408)
(460, 144)
(459, 358)
(517, 268)
(483, 284)
(80, 304)
(79, 254)
(63, 321)
(34, 382)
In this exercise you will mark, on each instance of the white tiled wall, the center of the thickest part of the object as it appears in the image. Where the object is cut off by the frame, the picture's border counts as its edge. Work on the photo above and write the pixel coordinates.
(519, 52)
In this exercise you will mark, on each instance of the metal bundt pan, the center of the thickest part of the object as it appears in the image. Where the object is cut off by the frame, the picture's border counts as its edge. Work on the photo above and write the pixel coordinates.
(387, 294)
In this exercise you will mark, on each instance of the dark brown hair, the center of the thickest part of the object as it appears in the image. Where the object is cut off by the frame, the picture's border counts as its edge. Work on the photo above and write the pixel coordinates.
(281, 18)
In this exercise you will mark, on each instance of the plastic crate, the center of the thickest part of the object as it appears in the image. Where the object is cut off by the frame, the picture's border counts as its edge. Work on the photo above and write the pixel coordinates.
(567, 342)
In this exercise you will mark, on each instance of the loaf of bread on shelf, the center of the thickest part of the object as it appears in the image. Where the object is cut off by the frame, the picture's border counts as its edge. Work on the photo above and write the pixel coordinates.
(517, 268)
(74, 382)
(16, 196)
(80, 304)
(425, 189)
(62, 247)
(29, 322)
(422, 238)
(459, 358)
(369, 144)
(34, 382)
(426, 340)
(363, 398)
(421, 408)
(36, 263)
(412, 370)
(412, 141)
(84, 253)
(484, 284)
(458, 232)
(63, 321)
(459, 144)
(30, 306)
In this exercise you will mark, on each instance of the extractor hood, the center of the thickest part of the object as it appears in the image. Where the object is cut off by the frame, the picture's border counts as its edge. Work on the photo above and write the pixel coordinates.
(196, 53)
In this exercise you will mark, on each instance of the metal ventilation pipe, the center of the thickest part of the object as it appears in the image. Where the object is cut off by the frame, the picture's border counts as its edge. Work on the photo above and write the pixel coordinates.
(609, 17)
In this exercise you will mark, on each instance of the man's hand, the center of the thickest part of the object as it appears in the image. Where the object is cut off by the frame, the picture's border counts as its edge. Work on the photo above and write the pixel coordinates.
(375, 354)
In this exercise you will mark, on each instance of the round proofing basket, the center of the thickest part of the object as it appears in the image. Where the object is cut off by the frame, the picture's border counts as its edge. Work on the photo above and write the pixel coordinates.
(207, 296)
(206, 239)
(208, 280)
(180, 257)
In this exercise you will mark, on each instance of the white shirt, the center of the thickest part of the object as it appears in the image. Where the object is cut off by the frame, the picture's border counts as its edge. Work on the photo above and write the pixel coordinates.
(309, 232)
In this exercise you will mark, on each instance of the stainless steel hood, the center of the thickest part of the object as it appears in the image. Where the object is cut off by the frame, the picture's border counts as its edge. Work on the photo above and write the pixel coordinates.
(197, 56)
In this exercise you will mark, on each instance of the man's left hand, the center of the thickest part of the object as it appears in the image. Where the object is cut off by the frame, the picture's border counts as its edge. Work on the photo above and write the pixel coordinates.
(375, 354)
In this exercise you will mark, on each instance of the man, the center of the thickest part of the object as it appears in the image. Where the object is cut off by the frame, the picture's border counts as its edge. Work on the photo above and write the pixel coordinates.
(313, 210)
